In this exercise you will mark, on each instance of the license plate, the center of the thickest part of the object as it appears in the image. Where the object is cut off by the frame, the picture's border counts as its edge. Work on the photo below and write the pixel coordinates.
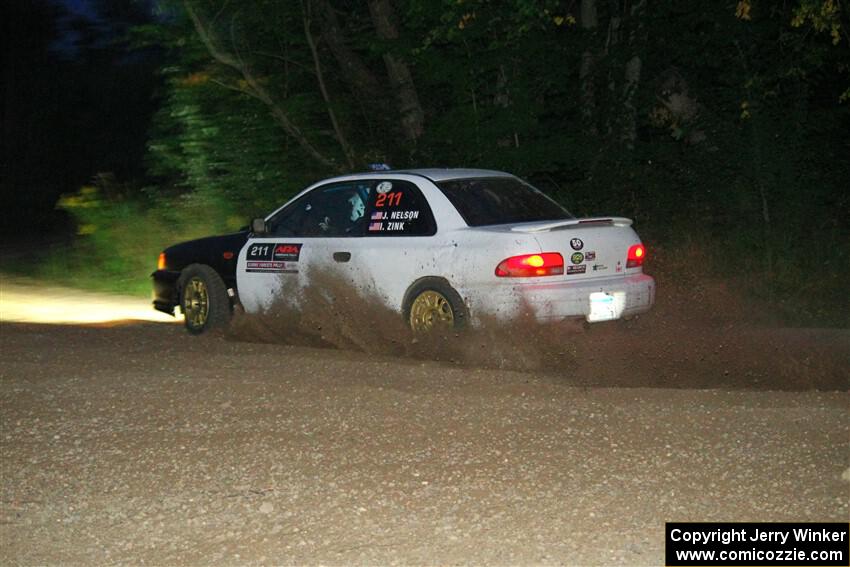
(605, 306)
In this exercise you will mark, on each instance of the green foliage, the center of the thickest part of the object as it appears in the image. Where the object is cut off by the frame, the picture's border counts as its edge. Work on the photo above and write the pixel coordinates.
(220, 152)
(214, 144)
(822, 15)
(119, 237)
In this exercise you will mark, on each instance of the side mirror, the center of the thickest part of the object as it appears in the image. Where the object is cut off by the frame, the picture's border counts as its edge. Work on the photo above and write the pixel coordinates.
(259, 227)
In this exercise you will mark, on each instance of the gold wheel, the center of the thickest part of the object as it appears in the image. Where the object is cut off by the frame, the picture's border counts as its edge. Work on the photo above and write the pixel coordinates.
(431, 309)
(196, 303)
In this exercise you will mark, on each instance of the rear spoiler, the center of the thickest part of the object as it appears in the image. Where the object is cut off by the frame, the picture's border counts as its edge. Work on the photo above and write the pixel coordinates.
(555, 225)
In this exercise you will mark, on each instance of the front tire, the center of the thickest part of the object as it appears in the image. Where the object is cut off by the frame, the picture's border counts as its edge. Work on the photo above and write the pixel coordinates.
(203, 299)
(433, 305)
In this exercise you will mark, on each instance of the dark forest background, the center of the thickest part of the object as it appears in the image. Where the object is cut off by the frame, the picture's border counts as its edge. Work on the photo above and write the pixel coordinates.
(722, 128)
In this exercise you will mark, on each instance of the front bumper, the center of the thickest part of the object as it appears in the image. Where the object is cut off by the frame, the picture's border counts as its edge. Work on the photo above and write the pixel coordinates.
(165, 290)
(599, 299)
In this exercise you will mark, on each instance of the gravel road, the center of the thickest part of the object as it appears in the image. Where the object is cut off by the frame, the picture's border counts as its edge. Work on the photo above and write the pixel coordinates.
(138, 444)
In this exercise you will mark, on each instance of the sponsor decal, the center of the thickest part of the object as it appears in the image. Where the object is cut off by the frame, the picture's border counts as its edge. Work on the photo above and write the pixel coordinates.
(384, 187)
(576, 243)
(619, 267)
(273, 257)
(577, 258)
(271, 268)
(599, 267)
(577, 269)
(590, 256)
(288, 252)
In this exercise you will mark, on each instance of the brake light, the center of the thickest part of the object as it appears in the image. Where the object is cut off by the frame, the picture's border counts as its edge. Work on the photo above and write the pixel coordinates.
(531, 266)
(636, 255)
(160, 263)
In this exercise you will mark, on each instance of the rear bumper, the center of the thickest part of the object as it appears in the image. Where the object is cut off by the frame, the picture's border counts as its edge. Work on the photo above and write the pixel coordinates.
(165, 290)
(595, 300)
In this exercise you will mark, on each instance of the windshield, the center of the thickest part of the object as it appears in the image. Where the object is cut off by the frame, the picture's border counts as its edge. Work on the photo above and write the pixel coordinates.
(485, 201)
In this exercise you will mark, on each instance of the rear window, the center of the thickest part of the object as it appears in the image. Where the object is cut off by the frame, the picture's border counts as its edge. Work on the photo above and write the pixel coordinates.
(484, 201)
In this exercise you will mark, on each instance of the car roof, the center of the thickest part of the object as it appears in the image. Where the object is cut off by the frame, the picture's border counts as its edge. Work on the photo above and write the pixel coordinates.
(444, 174)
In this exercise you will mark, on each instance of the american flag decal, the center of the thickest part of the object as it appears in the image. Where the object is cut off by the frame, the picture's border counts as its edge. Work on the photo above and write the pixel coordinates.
(377, 215)
(375, 226)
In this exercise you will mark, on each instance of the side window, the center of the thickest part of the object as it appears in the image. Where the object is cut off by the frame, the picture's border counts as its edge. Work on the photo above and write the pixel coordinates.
(337, 210)
(398, 208)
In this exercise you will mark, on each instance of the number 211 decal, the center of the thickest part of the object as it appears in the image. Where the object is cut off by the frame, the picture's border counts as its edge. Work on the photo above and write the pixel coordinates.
(388, 199)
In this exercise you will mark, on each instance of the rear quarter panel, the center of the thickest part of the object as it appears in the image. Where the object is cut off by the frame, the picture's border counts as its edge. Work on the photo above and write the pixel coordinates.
(465, 258)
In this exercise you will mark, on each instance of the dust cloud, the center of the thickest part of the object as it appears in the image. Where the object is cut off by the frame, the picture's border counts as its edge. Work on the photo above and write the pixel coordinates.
(333, 313)
(699, 337)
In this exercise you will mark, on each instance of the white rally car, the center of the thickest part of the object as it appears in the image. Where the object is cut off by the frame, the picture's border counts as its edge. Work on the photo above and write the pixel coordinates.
(444, 247)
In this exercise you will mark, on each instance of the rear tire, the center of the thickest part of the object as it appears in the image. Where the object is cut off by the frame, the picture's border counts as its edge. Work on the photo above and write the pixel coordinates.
(432, 304)
(203, 299)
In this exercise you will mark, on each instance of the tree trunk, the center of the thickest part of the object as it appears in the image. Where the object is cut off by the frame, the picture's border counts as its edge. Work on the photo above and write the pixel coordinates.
(613, 117)
(412, 116)
(363, 82)
(503, 100)
(631, 76)
(589, 22)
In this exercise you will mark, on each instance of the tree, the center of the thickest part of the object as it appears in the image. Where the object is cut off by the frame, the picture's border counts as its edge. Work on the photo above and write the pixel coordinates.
(254, 85)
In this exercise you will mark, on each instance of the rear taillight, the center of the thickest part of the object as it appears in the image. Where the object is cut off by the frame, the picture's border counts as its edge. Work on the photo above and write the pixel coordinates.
(160, 262)
(531, 266)
(635, 256)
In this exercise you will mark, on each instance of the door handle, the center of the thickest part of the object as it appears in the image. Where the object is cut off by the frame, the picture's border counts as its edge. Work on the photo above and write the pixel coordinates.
(342, 256)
